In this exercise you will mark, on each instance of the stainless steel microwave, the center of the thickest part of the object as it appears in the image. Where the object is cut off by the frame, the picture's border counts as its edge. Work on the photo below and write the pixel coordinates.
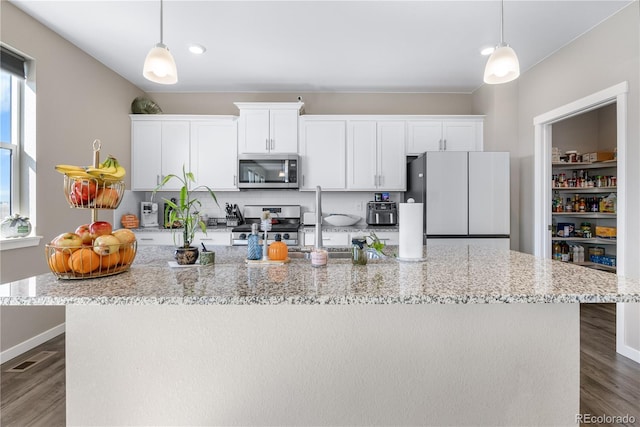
(261, 171)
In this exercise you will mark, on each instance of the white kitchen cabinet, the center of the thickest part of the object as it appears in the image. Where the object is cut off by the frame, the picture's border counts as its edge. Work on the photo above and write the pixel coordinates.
(376, 155)
(158, 148)
(386, 237)
(461, 134)
(329, 238)
(218, 238)
(155, 238)
(323, 154)
(214, 153)
(268, 127)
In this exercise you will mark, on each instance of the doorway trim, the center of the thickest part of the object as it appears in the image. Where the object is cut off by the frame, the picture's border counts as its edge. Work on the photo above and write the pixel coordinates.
(542, 166)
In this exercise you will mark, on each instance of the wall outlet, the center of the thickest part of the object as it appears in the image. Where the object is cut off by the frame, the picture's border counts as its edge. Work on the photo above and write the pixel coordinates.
(359, 206)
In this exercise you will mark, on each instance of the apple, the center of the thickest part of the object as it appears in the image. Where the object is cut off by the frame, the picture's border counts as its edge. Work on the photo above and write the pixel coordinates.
(106, 198)
(85, 234)
(67, 241)
(100, 228)
(85, 190)
(106, 244)
(125, 236)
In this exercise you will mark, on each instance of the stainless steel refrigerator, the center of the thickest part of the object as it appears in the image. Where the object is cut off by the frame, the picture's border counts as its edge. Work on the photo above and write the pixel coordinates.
(465, 196)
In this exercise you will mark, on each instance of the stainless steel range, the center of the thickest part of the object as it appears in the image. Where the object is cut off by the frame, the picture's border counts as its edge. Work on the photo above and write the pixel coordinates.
(285, 220)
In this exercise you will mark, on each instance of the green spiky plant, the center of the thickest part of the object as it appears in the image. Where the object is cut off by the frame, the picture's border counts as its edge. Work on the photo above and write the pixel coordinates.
(187, 208)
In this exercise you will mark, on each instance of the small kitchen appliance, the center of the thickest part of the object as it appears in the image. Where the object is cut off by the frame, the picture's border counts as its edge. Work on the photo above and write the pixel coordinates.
(149, 214)
(285, 221)
(382, 213)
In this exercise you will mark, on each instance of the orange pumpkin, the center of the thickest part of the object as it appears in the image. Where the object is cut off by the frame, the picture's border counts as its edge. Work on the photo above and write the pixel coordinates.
(278, 250)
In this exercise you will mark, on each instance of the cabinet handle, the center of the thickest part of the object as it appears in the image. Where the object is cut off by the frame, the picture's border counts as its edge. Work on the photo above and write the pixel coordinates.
(273, 144)
(445, 145)
(381, 180)
(303, 180)
(147, 238)
(157, 179)
(235, 179)
(440, 145)
(206, 238)
(266, 144)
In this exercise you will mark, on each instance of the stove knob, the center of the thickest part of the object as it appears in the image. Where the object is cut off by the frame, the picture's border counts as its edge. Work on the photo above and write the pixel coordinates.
(285, 236)
(243, 236)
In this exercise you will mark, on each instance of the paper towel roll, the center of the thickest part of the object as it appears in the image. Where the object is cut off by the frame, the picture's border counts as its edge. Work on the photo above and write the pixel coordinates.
(410, 224)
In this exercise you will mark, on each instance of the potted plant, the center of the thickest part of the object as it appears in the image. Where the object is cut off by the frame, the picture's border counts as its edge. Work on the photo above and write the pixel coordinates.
(185, 211)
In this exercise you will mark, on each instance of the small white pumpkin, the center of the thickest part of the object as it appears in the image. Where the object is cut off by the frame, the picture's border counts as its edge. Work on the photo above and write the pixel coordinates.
(15, 226)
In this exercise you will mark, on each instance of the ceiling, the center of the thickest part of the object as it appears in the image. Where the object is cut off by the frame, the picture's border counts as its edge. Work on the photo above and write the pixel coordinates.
(318, 46)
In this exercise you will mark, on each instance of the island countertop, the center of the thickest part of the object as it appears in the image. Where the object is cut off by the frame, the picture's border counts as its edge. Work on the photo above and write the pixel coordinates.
(449, 275)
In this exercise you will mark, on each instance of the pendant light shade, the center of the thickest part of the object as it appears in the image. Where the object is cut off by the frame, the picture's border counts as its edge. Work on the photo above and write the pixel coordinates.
(159, 66)
(503, 65)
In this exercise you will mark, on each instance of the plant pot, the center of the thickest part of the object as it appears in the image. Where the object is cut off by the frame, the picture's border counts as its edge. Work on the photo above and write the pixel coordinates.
(185, 256)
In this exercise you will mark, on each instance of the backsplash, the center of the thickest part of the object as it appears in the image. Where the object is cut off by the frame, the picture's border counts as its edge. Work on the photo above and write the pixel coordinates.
(352, 203)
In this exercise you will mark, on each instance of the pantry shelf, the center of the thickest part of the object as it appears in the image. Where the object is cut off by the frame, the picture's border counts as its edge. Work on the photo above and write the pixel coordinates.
(589, 190)
(594, 240)
(589, 215)
(583, 165)
(597, 266)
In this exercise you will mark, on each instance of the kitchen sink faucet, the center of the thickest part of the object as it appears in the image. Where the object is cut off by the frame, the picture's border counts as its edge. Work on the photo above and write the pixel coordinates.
(318, 244)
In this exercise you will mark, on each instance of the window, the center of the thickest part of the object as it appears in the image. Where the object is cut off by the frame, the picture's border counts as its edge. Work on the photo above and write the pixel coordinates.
(12, 79)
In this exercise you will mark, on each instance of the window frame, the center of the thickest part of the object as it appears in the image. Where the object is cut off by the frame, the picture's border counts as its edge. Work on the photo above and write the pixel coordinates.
(15, 143)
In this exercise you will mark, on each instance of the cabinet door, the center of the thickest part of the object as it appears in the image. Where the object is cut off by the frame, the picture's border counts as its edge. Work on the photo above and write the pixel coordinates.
(446, 198)
(175, 150)
(253, 131)
(146, 138)
(214, 154)
(392, 162)
(283, 125)
(150, 238)
(424, 135)
(362, 155)
(329, 239)
(462, 135)
(216, 238)
(323, 153)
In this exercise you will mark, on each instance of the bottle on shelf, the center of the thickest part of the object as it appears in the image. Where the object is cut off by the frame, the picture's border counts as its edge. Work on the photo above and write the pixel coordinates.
(565, 257)
(557, 251)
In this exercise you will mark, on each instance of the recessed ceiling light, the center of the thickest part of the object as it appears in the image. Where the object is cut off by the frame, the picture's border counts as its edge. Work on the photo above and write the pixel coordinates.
(487, 51)
(197, 49)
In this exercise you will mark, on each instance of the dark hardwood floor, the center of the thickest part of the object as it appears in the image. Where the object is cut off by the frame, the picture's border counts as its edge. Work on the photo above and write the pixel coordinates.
(609, 383)
(35, 397)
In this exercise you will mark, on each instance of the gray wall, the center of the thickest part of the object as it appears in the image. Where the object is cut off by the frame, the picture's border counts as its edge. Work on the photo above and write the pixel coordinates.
(78, 100)
(605, 56)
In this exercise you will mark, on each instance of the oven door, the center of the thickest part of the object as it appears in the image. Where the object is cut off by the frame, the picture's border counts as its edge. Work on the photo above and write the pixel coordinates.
(268, 171)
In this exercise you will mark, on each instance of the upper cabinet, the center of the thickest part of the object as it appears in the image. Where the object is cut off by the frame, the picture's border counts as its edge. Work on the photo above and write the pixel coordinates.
(268, 127)
(158, 148)
(323, 153)
(376, 155)
(445, 134)
(163, 144)
(214, 153)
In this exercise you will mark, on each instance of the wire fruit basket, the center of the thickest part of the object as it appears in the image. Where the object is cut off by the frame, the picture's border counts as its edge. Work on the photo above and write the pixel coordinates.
(90, 193)
(100, 186)
(84, 262)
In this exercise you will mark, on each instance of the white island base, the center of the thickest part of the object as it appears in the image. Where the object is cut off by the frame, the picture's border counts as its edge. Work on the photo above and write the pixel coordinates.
(399, 364)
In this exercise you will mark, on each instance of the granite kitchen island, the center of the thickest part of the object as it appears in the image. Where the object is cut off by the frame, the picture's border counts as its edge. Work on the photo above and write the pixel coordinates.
(471, 336)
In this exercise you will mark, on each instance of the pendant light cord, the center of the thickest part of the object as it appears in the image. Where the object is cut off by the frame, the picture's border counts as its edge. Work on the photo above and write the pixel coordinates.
(501, 22)
(161, 23)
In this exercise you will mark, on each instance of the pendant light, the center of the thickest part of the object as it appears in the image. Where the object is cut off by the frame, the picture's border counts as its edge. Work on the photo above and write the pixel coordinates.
(503, 65)
(159, 66)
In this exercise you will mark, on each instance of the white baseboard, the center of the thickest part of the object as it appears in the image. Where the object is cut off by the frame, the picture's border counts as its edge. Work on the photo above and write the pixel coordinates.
(27, 345)
(629, 352)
